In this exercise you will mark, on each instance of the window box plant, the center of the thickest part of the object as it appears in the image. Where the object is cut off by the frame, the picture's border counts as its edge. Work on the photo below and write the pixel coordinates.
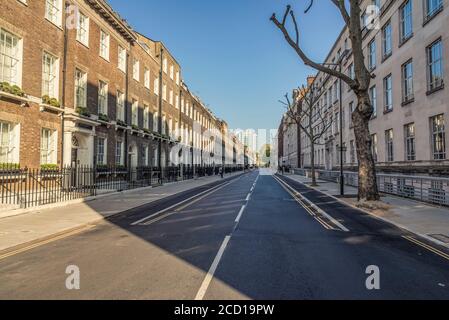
(103, 117)
(82, 111)
(13, 92)
(121, 123)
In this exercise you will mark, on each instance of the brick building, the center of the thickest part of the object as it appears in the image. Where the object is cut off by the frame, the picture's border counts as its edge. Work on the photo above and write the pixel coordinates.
(97, 92)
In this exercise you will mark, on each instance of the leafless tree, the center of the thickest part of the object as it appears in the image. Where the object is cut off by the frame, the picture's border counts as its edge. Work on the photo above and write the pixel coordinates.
(359, 85)
(303, 112)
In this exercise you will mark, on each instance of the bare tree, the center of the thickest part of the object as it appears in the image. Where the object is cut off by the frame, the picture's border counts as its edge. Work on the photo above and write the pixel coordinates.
(302, 111)
(359, 85)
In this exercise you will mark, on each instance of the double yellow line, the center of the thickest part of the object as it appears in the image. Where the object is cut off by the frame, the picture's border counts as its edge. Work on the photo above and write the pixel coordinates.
(303, 204)
(426, 246)
(46, 241)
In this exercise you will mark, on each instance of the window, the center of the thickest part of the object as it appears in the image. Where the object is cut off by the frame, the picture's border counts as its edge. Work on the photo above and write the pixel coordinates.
(144, 153)
(438, 137)
(410, 150)
(177, 102)
(136, 70)
(435, 65)
(104, 45)
(135, 113)
(119, 153)
(374, 146)
(48, 146)
(156, 86)
(101, 151)
(53, 11)
(407, 81)
(82, 31)
(432, 7)
(406, 21)
(10, 58)
(102, 98)
(388, 93)
(8, 149)
(372, 62)
(171, 97)
(177, 78)
(164, 127)
(155, 122)
(146, 116)
(351, 111)
(50, 72)
(351, 71)
(164, 92)
(386, 41)
(122, 58)
(147, 78)
(389, 152)
(172, 72)
(373, 98)
(80, 89)
(352, 151)
(164, 65)
(120, 106)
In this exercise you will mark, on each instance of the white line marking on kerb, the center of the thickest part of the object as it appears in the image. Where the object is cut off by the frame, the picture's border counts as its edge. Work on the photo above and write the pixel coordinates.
(240, 214)
(210, 274)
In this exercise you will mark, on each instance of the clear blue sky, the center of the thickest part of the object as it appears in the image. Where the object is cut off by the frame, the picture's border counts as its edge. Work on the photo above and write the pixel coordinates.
(231, 55)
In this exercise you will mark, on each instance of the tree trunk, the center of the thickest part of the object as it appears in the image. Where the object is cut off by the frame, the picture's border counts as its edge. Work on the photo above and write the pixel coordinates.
(367, 171)
(312, 163)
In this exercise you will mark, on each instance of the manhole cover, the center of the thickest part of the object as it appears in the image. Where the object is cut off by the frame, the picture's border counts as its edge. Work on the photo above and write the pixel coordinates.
(440, 237)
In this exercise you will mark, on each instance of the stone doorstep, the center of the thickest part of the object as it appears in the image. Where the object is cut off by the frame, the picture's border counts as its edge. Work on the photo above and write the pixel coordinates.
(341, 200)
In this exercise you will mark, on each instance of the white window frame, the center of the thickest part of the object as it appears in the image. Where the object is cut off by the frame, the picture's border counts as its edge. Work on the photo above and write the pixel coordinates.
(53, 11)
(80, 84)
(147, 78)
(135, 113)
(104, 155)
(122, 58)
(103, 97)
(120, 105)
(11, 51)
(136, 70)
(146, 116)
(119, 159)
(50, 75)
(49, 146)
(105, 40)
(82, 29)
(9, 144)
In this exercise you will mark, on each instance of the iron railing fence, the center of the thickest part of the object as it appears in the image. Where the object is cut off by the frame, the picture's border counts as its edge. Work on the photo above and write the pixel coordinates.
(26, 188)
(434, 190)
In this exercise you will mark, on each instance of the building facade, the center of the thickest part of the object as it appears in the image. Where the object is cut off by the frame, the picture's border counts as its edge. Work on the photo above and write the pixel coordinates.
(80, 87)
(406, 48)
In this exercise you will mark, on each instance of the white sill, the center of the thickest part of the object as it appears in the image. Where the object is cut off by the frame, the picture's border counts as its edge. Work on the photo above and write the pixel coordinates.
(44, 107)
(86, 45)
(23, 100)
(56, 25)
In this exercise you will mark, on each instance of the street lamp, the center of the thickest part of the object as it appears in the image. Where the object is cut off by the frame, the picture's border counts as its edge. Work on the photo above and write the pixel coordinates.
(342, 176)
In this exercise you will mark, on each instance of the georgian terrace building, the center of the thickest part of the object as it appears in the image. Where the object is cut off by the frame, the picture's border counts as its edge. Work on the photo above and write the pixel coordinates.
(407, 53)
(112, 96)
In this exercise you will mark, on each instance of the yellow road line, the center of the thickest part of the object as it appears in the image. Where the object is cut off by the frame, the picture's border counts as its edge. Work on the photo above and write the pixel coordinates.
(44, 242)
(425, 246)
(320, 221)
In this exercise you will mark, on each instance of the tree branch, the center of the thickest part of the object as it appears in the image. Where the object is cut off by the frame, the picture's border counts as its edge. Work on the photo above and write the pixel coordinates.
(295, 45)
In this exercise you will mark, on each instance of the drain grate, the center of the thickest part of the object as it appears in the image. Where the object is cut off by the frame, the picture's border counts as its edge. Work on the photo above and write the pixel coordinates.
(440, 237)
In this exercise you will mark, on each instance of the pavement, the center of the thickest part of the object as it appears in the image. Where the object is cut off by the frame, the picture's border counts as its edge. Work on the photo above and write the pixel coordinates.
(420, 218)
(41, 223)
(252, 237)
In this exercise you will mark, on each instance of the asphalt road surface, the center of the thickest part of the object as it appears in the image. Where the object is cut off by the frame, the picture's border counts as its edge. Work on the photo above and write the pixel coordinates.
(249, 237)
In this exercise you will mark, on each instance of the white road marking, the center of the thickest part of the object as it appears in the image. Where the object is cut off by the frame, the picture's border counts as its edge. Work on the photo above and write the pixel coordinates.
(179, 203)
(237, 220)
(248, 197)
(210, 274)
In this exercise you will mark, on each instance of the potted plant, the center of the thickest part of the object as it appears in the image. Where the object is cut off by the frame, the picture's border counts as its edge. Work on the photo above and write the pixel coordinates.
(51, 101)
(12, 89)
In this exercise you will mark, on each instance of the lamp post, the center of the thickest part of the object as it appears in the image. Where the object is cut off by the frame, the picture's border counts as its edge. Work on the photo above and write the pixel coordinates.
(342, 176)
